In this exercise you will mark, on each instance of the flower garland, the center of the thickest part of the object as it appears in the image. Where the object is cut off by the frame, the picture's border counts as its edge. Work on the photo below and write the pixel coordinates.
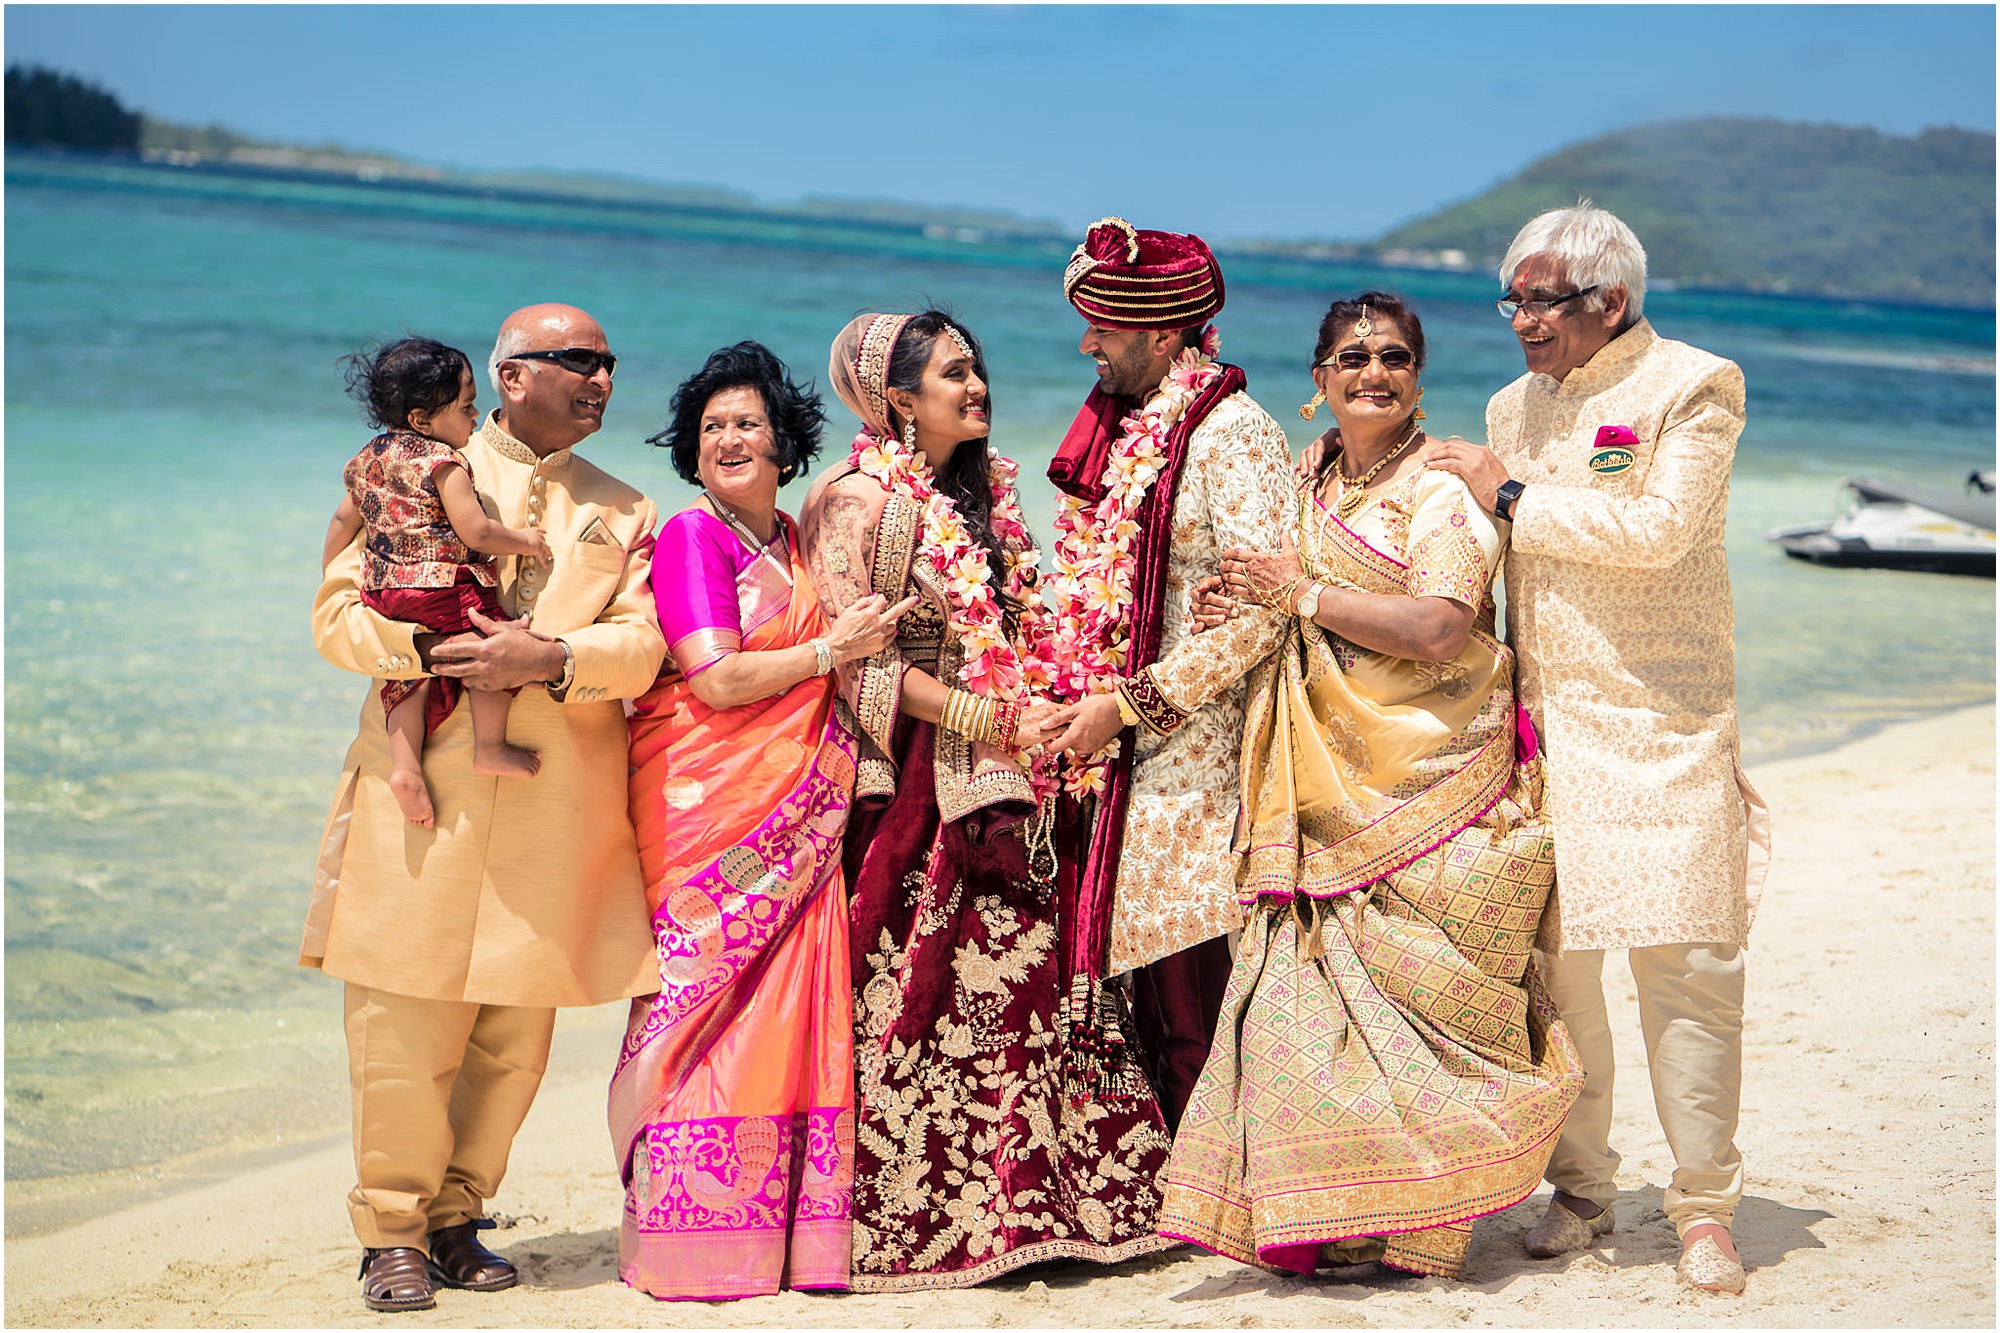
(993, 665)
(1084, 636)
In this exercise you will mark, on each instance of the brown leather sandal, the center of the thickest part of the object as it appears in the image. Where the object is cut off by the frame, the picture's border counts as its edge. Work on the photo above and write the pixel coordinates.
(396, 1279)
(459, 1260)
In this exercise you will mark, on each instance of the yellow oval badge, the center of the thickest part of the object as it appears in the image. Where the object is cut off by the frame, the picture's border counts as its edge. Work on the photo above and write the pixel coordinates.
(1611, 460)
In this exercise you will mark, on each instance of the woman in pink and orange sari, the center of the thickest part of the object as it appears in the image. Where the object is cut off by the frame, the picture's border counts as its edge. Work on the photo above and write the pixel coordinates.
(732, 1107)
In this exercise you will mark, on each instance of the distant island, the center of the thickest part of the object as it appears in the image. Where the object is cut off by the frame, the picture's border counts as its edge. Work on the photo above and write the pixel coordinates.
(1763, 205)
(1731, 203)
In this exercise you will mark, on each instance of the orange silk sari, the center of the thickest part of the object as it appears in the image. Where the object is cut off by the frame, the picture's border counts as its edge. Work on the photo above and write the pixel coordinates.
(732, 1108)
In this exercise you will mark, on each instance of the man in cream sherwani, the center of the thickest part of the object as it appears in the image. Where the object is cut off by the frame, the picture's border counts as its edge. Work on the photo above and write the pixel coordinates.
(458, 943)
(1611, 458)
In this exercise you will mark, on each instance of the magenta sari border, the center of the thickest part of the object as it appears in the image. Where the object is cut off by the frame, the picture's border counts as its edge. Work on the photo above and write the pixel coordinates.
(1527, 1149)
(799, 834)
(795, 835)
(1350, 886)
(1478, 1211)
(1369, 553)
(1474, 1216)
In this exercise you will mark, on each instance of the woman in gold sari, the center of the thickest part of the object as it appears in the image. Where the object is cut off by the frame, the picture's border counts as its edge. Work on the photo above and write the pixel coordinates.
(1388, 1067)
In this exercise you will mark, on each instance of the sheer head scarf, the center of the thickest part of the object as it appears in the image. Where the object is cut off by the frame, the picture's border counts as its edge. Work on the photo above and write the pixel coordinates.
(858, 367)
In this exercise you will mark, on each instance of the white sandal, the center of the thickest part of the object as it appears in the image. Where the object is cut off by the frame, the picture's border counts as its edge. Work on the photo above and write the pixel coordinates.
(1705, 1267)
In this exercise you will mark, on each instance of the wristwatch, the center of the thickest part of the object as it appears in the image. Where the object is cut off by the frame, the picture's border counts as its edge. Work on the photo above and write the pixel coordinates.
(1503, 501)
(560, 684)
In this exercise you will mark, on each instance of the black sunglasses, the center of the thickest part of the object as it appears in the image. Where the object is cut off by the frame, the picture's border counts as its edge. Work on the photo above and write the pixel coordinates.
(577, 360)
(1357, 358)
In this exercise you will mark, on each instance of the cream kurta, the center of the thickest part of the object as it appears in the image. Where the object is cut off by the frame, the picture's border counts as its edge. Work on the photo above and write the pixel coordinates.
(1176, 872)
(1619, 613)
(528, 891)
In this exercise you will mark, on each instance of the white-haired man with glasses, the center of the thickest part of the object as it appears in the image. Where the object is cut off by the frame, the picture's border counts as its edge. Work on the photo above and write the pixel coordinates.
(1611, 460)
(457, 943)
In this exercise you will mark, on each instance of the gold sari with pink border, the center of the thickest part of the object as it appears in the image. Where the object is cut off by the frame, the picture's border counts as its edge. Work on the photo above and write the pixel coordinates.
(732, 1107)
(1388, 1066)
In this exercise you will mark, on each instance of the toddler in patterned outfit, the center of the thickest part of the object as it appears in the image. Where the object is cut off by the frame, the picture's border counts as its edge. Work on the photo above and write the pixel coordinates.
(428, 556)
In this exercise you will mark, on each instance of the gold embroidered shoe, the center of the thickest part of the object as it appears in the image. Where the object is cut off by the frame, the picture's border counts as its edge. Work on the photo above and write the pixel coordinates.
(1705, 1267)
(1561, 1231)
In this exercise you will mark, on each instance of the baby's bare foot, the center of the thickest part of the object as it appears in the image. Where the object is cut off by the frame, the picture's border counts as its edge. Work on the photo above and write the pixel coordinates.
(506, 761)
(414, 797)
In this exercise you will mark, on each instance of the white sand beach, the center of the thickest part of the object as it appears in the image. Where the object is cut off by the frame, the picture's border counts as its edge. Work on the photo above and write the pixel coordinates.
(1868, 1133)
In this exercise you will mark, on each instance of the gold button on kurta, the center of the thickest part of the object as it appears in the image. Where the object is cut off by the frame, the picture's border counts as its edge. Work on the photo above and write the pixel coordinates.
(528, 891)
(1619, 613)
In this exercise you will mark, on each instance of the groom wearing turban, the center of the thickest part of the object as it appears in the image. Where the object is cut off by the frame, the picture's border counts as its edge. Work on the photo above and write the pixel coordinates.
(1156, 894)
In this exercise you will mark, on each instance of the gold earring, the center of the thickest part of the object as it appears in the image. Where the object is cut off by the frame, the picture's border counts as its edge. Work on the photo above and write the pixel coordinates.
(1418, 415)
(910, 436)
(1308, 410)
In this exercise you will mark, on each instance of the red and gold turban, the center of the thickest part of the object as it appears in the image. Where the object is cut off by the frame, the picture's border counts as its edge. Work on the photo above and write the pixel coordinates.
(1122, 278)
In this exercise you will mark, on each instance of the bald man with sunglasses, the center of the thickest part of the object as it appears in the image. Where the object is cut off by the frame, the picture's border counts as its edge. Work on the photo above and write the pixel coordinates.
(458, 943)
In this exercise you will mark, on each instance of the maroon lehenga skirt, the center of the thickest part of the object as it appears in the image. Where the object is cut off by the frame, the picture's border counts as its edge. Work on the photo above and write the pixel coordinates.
(1002, 1117)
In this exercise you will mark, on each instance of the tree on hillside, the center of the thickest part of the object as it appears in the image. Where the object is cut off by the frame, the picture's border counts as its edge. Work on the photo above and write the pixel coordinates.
(48, 107)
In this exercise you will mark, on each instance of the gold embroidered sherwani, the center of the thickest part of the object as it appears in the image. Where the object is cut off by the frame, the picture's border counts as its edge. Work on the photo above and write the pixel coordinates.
(1619, 612)
(528, 891)
(1176, 873)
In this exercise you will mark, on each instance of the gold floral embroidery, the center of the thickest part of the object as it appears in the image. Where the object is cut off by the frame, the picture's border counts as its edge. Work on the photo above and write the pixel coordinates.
(950, 1119)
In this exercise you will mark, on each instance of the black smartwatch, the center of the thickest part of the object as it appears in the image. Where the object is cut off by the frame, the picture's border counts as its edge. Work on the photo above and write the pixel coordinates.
(1503, 499)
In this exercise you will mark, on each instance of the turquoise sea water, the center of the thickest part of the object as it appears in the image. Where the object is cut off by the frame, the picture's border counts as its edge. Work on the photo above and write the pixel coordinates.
(175, 431)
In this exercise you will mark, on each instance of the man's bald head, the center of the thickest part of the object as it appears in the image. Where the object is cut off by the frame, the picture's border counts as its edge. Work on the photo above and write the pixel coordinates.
(545, 404)
(536, 328)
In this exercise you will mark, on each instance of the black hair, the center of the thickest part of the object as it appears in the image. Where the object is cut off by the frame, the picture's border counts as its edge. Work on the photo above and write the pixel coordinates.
(796, 414)
(1345, 312)
(968, 477)
(408, 375)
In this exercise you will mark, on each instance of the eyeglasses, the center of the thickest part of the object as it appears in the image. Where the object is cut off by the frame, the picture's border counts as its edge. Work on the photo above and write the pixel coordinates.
(1357, 358)
(577, 360)
(1536, 309)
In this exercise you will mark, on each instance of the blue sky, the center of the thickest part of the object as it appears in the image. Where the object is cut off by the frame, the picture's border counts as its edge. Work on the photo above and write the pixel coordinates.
(1234, 121)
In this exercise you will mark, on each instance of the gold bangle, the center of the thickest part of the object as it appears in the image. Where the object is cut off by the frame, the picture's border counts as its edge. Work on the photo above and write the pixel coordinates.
(968, 714)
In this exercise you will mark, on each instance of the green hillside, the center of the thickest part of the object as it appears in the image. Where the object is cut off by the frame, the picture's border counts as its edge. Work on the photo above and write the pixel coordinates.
(1763, 205)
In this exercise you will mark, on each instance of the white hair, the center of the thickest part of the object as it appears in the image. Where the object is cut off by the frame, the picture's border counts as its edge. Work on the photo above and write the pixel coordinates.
(512, 341)
(1596, 250)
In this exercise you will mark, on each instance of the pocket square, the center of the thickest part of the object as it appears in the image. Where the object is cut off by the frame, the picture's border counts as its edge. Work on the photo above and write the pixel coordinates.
(1615, 437)
(597, 534)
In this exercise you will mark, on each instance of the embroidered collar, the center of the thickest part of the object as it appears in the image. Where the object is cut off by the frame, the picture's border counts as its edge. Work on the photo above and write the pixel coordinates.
(1612, 362)
(508, 447)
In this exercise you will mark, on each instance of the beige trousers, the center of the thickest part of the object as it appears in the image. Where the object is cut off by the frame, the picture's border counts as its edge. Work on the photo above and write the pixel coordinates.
(440, 1088)
(1691, 1011)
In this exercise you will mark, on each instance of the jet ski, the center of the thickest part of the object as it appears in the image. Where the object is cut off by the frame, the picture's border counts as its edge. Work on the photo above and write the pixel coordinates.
(1893, 526)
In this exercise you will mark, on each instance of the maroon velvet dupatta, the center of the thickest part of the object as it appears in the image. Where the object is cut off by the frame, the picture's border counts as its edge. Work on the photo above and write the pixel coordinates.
(1078, 468)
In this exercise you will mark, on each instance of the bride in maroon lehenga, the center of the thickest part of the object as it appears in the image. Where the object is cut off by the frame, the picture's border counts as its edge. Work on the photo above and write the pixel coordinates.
(995, 1124)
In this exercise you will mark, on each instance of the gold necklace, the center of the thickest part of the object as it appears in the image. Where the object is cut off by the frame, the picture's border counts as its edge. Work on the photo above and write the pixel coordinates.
(1354, 490)
(758, 550)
